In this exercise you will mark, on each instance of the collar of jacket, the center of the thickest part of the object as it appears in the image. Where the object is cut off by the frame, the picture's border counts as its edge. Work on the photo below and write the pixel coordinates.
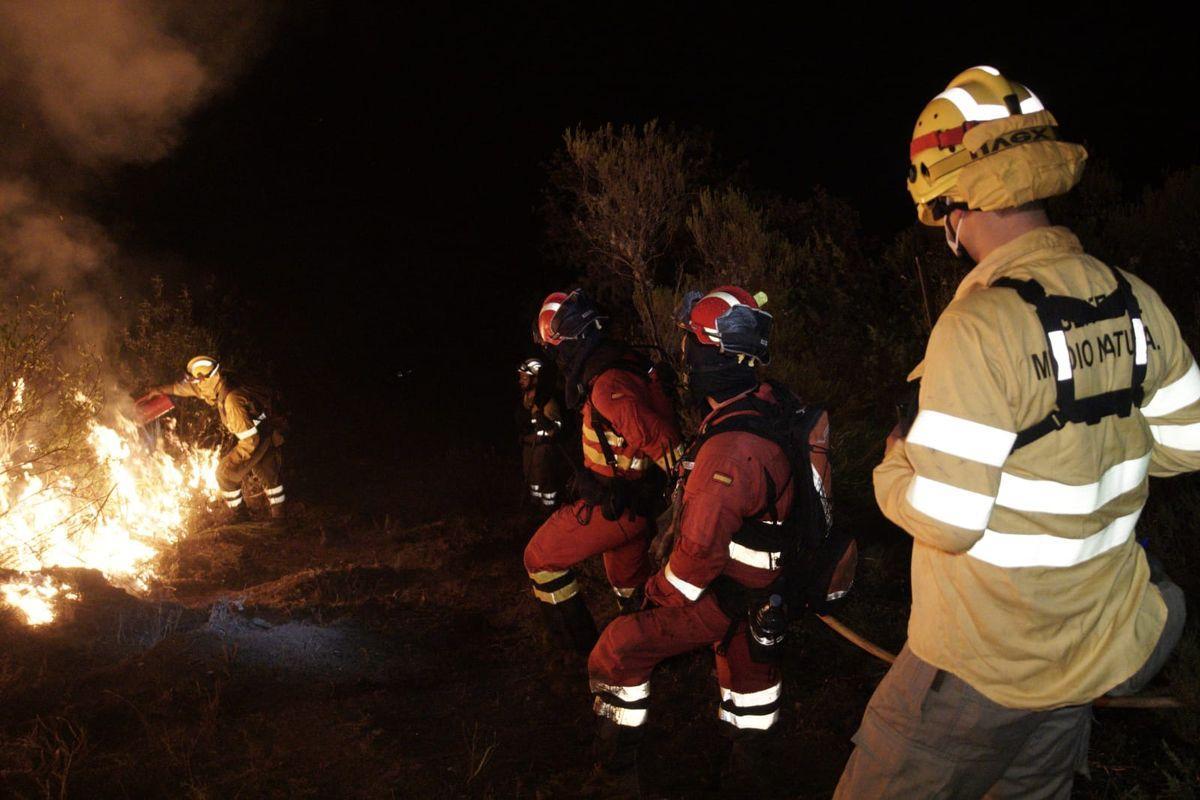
(1008, 257)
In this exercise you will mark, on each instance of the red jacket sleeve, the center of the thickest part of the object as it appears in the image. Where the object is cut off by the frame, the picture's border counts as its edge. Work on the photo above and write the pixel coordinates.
(624, 400)
(724, 488)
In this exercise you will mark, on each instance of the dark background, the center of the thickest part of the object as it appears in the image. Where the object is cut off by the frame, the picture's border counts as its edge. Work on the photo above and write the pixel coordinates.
(370, 187)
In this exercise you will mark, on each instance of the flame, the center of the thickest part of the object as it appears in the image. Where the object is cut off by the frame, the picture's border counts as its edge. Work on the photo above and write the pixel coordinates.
(146, 497)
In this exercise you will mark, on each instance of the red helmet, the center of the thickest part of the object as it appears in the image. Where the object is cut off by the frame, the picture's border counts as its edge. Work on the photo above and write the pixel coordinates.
(550, 307)
(565, 317)
(729, 318)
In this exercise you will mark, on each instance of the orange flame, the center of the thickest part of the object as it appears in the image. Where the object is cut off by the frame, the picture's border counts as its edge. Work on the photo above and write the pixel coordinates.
(45, 522)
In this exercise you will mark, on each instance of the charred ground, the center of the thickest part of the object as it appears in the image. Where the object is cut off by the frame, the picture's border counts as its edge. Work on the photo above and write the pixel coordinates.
(383, 644)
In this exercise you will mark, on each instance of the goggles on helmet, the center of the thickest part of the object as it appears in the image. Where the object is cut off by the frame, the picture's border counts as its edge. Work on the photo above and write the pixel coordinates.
(573, 318)
(742, 330)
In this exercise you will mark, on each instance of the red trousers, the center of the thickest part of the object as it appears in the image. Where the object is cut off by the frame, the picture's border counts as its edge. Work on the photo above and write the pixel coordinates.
(622, 661)
(564, 541)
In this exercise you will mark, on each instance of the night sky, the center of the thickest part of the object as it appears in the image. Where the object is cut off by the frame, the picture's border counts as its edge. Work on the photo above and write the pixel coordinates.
(370, 184)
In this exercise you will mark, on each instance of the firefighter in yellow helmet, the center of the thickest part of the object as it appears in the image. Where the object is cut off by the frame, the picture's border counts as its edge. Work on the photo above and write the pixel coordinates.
(247, 415)
(1052, 387)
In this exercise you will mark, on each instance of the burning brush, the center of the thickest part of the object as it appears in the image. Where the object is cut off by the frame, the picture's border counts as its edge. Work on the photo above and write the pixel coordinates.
(131, 496)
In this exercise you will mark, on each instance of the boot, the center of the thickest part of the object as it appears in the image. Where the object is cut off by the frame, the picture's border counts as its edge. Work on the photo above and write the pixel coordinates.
(232, 516)
(615, 752)
(570, 624)
(278, 511)
(745, 770)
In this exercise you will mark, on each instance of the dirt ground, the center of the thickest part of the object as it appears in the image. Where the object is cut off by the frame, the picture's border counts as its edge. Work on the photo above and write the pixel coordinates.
(383, 644)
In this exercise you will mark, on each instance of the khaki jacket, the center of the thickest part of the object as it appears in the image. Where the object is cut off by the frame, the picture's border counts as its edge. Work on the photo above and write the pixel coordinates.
(238, 411)
(1028, 581)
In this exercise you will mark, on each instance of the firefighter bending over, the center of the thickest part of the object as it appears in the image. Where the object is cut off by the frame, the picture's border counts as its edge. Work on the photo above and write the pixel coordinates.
(757, 482)
(630, 442)
(541, 425)
(247, 416)
(1053, 386)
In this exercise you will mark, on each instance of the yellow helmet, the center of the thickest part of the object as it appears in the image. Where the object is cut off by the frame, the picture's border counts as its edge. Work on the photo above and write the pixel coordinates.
(202, 367)
(987, 143)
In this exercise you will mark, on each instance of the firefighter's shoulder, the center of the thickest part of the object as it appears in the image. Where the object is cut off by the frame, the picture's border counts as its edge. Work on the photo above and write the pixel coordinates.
(615, 385)
(733, 458)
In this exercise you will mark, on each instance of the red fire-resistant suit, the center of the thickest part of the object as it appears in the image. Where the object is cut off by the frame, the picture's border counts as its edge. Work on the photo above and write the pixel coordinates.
(638, 425)
(726, 486)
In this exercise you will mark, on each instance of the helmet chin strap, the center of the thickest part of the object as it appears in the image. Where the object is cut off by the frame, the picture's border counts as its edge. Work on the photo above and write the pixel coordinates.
(953, 241)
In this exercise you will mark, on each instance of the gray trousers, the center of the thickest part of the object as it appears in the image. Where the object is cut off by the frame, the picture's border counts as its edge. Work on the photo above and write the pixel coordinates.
(928, 734)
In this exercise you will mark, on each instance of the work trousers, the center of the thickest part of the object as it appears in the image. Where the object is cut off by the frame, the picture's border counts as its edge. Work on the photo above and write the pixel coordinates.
(540, 461)
(577, 531)
(265, 463)
(928, 734)
(622, 661)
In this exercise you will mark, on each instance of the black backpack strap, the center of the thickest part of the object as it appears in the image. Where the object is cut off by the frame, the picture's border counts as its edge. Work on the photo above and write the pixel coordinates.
(1052, 310)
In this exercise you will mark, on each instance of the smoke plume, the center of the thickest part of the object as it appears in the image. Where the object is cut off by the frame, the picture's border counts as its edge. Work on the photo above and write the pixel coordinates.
(85, 89)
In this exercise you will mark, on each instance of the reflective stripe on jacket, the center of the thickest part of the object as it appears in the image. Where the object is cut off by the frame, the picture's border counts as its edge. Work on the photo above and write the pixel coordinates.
(637, 423)
(1028, 581)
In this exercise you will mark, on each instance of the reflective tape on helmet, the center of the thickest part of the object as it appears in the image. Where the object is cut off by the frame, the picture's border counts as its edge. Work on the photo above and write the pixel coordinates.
(1052, 497)
(1016, 550)
(1178, 394)
(686, 589)
(760, 559)
(950, 504)
(960, 437)
(974, 111)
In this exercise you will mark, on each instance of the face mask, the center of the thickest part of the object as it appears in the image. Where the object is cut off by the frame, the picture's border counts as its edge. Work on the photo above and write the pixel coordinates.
(207, 389)
(952, 240)
(708, 373)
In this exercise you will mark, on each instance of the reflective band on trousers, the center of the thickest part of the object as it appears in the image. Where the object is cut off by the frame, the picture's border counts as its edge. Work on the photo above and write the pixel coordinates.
(275, 495)
(234, 503)
(1180, 437)
(628, 717)
(232, 493)
(751, 710)
(1052, 497)
(950, 504)
(1015, 550)
(626, 693)
(761, 559)
(961, 437)
(246, 434)
(624, 705)
(557, 594)
(686, 589)
(1175, 395)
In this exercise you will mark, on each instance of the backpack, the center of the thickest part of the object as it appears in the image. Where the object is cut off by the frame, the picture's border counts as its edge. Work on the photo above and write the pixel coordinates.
(819, 557)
